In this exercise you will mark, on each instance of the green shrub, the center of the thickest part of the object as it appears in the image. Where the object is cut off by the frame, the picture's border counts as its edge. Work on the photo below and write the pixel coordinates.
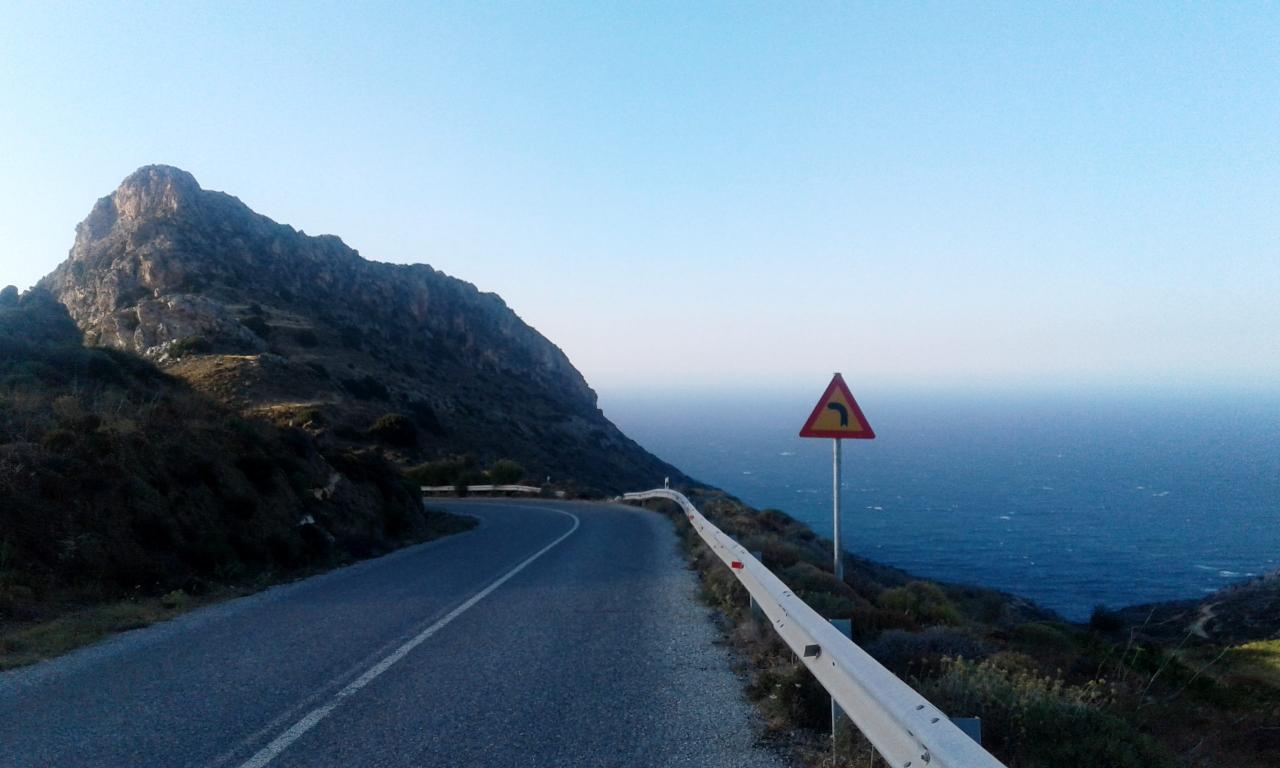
(192, 345)
(312, 417)
(103, 367)
(1042, 635)
(776, 553)
(306, 337)
(1039, 722)
(426, 418)
(807, 578)
(923, 601)
(898, 650)
(366, 388)
(467, 478)
(256, 324)
(505, 472)
(830, 605)
(441, 472)
(395, 429)
(58, 440)
(790, 697)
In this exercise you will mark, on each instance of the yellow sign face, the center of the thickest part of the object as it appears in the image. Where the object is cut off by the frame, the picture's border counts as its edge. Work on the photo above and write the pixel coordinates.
(837, 415)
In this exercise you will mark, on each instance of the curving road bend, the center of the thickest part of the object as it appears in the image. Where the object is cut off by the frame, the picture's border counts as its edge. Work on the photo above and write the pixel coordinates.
(554, 634)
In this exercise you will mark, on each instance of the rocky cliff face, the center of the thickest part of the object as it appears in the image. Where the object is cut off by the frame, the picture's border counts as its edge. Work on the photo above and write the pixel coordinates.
(302, 330)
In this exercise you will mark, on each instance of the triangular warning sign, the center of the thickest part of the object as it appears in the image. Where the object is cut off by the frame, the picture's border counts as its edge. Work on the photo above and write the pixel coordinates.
(837, 415)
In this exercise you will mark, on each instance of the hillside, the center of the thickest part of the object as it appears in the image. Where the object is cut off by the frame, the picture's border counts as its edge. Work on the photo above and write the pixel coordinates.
(302, 331)
(1240, 613)
(121, 482)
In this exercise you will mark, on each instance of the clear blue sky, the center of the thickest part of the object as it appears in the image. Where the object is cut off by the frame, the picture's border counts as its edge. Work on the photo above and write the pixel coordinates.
(718, 196)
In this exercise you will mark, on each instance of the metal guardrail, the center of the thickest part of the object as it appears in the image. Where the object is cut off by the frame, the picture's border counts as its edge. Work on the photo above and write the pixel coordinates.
(901, 724)
(482, 488)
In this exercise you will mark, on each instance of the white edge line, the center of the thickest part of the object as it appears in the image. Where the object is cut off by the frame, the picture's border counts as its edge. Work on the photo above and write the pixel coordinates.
(295, 732)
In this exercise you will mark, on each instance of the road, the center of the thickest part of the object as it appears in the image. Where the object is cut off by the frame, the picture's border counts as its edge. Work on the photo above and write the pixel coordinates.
(553, 634)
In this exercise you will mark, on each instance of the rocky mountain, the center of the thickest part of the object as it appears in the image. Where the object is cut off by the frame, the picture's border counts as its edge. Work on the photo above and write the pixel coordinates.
(303, 331)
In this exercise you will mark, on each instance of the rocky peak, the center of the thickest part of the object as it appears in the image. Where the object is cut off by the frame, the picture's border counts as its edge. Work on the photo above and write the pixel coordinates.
(271, 320)
(151, 191)
(155, 190)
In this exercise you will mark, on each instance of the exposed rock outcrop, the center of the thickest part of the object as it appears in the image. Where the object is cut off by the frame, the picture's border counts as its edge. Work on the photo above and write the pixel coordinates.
(303, 330)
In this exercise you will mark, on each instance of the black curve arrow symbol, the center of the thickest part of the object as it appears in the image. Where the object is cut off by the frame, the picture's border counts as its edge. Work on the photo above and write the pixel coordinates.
(844, 413)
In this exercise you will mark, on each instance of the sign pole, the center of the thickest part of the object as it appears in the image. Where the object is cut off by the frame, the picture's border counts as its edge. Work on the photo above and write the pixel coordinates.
(838, 417)
(835, 506)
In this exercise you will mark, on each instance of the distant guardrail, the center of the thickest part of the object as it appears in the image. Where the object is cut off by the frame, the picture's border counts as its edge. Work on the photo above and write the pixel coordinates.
(487, 489)
(901, 724)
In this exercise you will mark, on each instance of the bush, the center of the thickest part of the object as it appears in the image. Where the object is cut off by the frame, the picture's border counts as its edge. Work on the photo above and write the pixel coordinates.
(256, 324)
(189, 346)
(306, 338)
(807, 578)
(104, 368)
(1041, 635)
(58, 440)
(366, 388)
(1036, 721)
(791, 697)
(395, 429)
(441, 472)
(777, 554)
(923, 601)
(505, 472)
(173, 600)
(898, 649)
(426, 417)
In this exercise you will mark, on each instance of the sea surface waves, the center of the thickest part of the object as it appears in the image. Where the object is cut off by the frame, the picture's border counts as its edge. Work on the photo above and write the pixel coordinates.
(1071, 501)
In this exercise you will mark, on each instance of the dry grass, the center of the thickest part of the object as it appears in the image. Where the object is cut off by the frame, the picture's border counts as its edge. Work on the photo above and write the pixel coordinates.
(45, 640)
(1256, 664)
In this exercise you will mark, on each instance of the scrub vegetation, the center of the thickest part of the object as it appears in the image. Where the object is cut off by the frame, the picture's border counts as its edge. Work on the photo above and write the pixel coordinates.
(1049, 692)
(461, 471)
(128, 496)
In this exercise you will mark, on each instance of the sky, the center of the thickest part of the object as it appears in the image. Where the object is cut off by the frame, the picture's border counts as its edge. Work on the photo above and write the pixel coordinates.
(718, 197)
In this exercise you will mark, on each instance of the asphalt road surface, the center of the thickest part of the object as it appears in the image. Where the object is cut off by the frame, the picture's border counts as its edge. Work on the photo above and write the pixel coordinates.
(553, 634)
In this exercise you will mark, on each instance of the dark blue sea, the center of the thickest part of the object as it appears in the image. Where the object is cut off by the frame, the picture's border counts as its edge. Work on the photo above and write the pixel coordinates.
(1073, 501)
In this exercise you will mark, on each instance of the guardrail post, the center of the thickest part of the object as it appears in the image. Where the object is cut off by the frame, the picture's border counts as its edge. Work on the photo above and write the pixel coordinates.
(972, 726)
(846, 628)
(757, 612)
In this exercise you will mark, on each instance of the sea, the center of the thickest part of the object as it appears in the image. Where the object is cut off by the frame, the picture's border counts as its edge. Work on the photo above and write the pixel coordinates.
(1074, 501)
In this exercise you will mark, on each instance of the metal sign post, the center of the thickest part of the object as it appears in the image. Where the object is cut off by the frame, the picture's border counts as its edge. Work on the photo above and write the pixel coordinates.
(835, 506)
(837, 416)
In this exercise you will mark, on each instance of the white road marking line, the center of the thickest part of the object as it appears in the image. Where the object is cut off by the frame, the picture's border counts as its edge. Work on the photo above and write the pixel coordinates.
(295, 732)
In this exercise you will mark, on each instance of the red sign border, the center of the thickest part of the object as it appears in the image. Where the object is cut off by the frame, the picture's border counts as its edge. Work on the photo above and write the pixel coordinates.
(837, 382)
